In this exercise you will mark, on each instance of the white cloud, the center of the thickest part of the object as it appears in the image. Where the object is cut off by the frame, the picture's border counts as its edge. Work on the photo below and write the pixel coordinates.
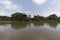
(39, 2)
(3, 13)
(54, 8)
(47, 13)
(9, 5)
(54, 2)
(51, 11)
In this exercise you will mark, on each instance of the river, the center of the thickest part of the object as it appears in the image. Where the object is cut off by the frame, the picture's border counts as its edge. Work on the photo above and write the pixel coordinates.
(29, 31)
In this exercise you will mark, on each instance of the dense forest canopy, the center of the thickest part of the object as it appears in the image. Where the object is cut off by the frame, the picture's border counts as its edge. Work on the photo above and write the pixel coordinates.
(23, 17)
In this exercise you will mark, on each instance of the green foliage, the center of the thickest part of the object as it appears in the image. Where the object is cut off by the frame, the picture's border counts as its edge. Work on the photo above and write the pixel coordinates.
(5, 18)
(19, 17)
(23, 17)
(52, 17)
(58, 19)
(39, 18)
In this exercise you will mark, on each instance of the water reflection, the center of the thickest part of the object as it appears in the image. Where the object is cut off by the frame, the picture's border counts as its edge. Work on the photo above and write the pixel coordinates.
(18, 25)
(38, 23)
(52, 24)
(3, 23)
(30, 31)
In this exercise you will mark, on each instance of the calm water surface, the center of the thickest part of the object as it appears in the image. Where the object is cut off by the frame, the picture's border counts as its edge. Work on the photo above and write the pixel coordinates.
(29, 31)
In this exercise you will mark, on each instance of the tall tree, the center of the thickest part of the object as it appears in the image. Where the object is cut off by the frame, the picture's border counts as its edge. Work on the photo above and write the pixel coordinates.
(18, 16)
(52, 17)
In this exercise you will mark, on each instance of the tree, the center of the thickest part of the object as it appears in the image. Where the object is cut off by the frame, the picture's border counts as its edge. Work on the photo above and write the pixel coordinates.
(29, 17)
(39, 18)
(19, 16)
(4, 18)
(58, 19)
(52, 17)
(36, 18)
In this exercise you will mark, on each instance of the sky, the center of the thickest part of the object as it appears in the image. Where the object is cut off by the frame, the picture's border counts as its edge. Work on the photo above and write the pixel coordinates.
(30, 7)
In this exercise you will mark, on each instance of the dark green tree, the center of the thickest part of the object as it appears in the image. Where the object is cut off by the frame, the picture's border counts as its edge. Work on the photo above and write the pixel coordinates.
(5, 18)
(52, 17)
(19, 16)
(39, 18)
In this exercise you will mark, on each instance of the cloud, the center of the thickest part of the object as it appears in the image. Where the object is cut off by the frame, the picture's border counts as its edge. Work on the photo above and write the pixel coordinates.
(53, 8)
(3, 13)
(9, 5)
(54, 2)
(39, 2)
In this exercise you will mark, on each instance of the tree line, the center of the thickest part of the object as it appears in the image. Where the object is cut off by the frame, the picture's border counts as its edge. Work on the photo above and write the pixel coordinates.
(23, 17)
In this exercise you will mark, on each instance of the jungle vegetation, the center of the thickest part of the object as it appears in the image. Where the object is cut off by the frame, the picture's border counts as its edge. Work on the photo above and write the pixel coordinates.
(23, 17)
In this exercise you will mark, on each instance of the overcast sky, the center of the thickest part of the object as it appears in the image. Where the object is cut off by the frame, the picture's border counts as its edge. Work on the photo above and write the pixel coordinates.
(30, 7)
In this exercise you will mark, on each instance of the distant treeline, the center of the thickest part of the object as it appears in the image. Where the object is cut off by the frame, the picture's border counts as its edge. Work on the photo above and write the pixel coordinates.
(23, 17)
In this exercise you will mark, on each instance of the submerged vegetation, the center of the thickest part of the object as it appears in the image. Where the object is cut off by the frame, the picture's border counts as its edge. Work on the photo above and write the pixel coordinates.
(23, 17)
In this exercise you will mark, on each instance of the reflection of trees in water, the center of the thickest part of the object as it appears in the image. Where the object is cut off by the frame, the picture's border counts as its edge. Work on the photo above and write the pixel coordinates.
(38, 23)
(52, 24)
(23, 24)
(18, 25)
(30, 24)
(4, 22)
